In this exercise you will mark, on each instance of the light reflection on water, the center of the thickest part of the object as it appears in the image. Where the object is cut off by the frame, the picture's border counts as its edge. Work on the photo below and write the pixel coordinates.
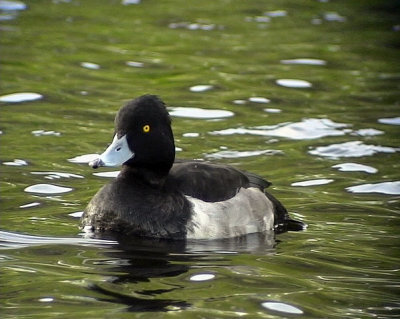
(197, 113)
(20, 97)
(351, 149)
(244, 78)
(390, 188)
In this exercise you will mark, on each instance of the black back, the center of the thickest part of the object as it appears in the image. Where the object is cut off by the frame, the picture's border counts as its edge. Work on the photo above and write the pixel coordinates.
(211, 182)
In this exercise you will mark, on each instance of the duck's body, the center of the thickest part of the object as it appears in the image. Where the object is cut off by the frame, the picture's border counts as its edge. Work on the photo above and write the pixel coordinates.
(155, 197)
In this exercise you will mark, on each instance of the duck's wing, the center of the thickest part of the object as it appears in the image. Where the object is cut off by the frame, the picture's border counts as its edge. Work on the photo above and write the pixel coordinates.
(216, 182)
(211, 182)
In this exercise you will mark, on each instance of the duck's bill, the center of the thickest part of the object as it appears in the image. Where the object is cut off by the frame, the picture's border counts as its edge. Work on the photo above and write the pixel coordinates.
(116, 154)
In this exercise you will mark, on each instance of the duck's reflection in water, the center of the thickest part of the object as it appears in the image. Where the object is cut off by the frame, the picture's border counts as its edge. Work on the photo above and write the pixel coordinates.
(140, 261)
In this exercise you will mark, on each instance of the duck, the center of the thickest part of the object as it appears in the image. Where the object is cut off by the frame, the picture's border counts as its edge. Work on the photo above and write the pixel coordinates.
(158, 196)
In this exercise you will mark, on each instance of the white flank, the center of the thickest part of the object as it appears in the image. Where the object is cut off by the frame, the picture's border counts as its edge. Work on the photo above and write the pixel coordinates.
(249, 211)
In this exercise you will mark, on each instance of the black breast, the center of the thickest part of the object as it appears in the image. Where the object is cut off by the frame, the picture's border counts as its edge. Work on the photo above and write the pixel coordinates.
(129, 206)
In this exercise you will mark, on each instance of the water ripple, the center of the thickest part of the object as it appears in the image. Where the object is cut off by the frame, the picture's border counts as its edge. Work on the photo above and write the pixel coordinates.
(191, 134)
(129, 2)
(12, 5)
(304, 61)
(20, 97)
(276, 13)
(389, 188)
(201, 88)
(313, 182)
(83, 159)
(90, 65)
(282, 307)
(354, 167)
(111, 174)
(306, 129)
(76, 214)
(294, 83)
(45, 133)
(272, 110)
(202, 277)
(16, 162)
(193, 26)
(351, 149)
(47, 189)
(334, 16)
(14, 240)
(390, 120)
(57, 175)
(33, 204)
(240, 154)
(367, 132)
(135, 64)
(198, 113)
(259, 99)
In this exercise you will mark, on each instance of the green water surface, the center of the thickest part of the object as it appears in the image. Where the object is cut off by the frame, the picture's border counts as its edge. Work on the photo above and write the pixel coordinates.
(345, 265)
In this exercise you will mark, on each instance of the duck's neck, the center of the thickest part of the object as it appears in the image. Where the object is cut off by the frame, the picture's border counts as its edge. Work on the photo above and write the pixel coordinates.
(153, 176)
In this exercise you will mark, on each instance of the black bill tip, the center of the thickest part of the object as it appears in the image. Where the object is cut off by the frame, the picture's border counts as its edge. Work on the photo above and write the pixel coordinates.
(96, 163)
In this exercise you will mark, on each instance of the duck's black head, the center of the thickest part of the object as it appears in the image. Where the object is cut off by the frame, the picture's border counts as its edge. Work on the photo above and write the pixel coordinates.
(143, 139)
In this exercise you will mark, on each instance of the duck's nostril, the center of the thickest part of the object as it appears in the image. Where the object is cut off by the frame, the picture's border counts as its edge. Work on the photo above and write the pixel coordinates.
(118, 149)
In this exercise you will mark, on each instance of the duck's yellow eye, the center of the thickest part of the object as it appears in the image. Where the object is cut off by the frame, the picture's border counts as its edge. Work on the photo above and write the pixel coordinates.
(146, 128)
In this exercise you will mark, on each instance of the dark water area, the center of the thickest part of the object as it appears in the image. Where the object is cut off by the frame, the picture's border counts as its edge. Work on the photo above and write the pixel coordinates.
(303, 93)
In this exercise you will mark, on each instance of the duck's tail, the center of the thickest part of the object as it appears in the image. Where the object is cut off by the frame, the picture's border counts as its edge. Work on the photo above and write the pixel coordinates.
(282, 220)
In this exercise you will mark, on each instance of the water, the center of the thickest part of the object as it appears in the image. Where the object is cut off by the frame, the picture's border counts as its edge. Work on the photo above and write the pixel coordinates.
(305, 94)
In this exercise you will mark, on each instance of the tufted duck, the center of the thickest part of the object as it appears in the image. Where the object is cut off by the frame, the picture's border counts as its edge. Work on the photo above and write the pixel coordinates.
(158, 197)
